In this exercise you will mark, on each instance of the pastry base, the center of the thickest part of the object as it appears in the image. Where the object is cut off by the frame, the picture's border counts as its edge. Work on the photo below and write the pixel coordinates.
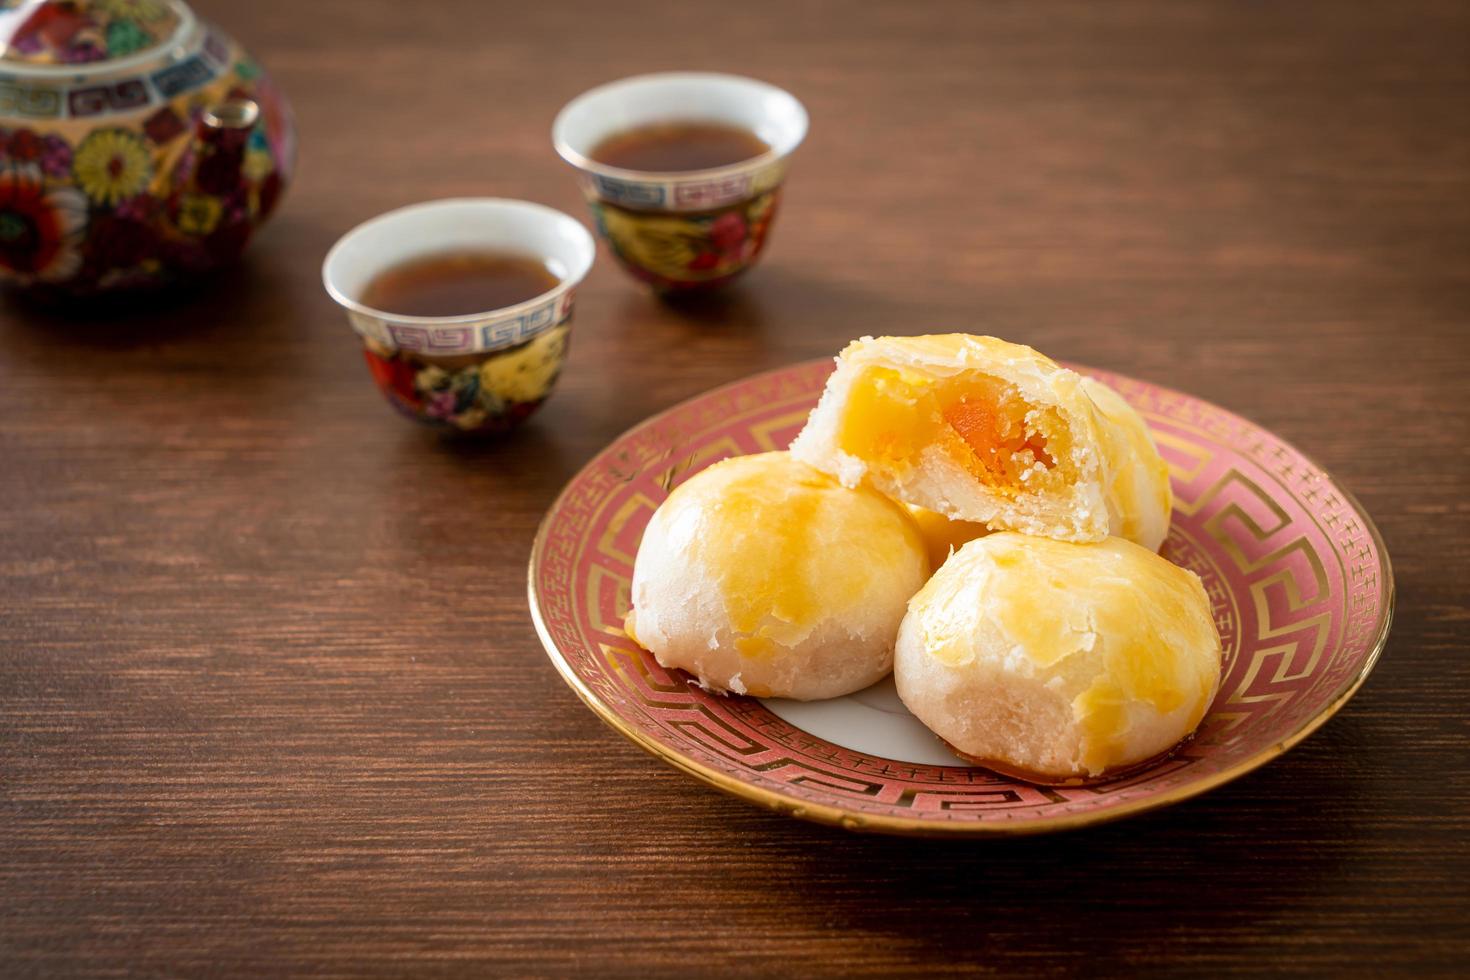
(1042, 779)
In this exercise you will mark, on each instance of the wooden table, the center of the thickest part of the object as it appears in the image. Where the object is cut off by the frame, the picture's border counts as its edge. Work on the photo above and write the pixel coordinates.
(270, 699)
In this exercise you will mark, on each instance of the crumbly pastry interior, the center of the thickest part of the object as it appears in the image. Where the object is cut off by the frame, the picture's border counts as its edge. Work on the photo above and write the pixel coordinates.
(981, 422)
(974, 428)
(982, 430)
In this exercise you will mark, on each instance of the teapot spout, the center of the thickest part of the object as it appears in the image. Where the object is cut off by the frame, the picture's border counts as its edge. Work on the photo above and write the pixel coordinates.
(216, 197)
(226, 125)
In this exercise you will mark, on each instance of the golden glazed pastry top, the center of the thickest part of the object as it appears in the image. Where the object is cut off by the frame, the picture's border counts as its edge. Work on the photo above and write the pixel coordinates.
(784, 546)
(1108, 625)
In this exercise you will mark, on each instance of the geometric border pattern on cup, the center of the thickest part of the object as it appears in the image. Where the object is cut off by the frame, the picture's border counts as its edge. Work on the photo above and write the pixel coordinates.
(695, 193)
(492, 332)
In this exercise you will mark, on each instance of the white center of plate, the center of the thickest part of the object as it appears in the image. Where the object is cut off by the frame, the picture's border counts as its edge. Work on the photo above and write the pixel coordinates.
(872, 721)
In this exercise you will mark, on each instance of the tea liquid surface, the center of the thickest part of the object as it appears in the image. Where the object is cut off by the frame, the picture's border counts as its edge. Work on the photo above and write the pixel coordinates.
(458, 283)
(679, 146)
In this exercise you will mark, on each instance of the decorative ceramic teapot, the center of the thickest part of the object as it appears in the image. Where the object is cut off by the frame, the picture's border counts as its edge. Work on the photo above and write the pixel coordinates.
(137, 144)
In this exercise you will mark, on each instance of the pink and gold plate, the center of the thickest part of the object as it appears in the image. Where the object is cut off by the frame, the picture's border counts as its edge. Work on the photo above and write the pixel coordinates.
(1297, 575)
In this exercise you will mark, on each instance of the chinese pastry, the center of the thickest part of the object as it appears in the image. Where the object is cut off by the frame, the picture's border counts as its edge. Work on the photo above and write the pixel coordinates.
(761, 575)
(1053, 660)
(982, 430)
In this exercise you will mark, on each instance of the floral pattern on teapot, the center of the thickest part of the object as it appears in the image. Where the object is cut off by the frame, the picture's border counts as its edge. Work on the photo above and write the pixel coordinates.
(131, 176)
(79, 34)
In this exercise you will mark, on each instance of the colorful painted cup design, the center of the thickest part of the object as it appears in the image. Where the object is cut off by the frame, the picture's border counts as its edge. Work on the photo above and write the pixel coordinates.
(477, 373)
(692, 229)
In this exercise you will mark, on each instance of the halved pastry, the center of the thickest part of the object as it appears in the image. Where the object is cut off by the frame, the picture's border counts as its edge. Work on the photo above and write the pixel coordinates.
(978, 429)
(1054, 660)
(1137, 492)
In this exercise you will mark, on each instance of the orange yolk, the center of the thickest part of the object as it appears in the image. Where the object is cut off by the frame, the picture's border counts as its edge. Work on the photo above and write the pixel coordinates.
(995, 438)
(892, 415)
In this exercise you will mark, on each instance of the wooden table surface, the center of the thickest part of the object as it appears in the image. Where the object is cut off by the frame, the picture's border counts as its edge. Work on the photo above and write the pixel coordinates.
(270, 698)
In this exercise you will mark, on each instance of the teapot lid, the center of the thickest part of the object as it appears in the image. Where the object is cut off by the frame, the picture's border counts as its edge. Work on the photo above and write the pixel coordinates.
(83, 34)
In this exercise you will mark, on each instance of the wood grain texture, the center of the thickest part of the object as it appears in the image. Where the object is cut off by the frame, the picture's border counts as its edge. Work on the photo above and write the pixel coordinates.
(270, 700)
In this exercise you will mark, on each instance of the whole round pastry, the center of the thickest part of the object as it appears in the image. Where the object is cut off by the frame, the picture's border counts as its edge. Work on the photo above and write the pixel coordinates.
(1053, 660)
(761, 575)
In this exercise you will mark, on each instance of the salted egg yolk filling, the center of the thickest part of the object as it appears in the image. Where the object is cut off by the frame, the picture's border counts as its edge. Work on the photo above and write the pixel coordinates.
(981, 422)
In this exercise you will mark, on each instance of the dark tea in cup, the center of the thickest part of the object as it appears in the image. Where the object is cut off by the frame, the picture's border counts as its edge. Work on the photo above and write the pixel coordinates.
(458, 283)
(679, 146)
(463, 305)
